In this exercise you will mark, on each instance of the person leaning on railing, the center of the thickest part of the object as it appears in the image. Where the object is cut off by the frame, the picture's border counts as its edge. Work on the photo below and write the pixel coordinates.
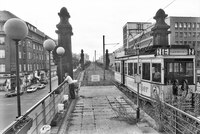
(69, 80)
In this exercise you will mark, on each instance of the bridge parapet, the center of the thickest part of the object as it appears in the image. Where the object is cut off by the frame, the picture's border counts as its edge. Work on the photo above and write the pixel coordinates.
(40, 114)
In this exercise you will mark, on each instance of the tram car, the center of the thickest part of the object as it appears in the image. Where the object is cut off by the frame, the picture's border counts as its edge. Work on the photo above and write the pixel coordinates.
(153, 64)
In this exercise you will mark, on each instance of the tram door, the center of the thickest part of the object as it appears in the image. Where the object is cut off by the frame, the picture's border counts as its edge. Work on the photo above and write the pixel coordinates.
(122, 72)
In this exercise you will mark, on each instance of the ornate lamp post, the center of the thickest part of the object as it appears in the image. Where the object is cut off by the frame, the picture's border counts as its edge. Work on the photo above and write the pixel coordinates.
(16, 30)
(60, 51)
(49, 45)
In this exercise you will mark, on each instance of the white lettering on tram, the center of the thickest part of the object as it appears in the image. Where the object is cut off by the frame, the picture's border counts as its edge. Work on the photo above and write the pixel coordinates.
(162, 51)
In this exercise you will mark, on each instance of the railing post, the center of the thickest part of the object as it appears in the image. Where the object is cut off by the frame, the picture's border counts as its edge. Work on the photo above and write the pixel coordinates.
(44, 112)
(36, 122)
(54, 104)
(176, 124)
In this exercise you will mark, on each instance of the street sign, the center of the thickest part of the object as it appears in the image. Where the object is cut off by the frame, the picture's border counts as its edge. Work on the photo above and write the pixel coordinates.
(95, 78)
(137, 79)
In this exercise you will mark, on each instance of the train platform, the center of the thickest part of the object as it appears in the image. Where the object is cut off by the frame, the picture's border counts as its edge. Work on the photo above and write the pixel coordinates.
(105, 110)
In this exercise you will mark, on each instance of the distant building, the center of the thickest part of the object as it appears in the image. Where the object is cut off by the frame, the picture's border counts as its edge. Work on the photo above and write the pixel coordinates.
(131, 29)
(33, 57)
(184, 31)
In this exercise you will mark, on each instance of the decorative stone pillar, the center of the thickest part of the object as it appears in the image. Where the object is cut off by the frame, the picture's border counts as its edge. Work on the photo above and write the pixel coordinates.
(107, 60)
(64, 40)
(82, 60)
(160, 30)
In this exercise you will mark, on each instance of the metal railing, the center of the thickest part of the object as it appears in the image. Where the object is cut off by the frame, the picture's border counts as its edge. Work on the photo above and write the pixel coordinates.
(170, 119)
(42, 112)
(176, 121)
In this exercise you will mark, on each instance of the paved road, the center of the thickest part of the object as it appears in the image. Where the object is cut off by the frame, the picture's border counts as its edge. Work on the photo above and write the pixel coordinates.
(8, 106)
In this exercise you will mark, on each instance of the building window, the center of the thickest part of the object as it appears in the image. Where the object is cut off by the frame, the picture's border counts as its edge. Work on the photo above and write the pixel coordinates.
(20, 55)
(185, 34)
(176, 34)
(176, 42)
(193, 34)
(185, 42)
(189, 34)
(176, 25)
(2, 68)
(181, 42)
(2, 53)
(2, 40)
(189, 25)
(180, 25)
(198, 25)
(20, 67)
(181, 34)
(198, 34)
(184, 25)
(193, 25)
(24, 67)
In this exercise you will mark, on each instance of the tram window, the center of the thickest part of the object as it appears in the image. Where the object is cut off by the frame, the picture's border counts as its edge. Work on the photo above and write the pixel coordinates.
(146, 71)
(130, 69)
(189, 69)
(156, 72)
(135, 68)
(179, 70)
(117, 67)
(125, 68)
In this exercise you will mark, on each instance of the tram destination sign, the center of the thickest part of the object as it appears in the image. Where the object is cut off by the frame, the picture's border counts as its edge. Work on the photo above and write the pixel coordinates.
(168, 51)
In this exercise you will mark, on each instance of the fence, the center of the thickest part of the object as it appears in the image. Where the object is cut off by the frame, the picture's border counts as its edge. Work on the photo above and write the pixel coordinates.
(40, 114)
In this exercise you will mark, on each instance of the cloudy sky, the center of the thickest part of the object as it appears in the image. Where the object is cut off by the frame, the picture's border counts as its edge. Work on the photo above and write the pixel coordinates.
(91, 19)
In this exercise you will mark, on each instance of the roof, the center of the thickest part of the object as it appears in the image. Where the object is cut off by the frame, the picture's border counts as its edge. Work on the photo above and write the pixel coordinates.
(5, 15)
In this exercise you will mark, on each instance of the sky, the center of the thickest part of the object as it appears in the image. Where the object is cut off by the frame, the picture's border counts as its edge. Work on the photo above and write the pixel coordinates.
(91, 19)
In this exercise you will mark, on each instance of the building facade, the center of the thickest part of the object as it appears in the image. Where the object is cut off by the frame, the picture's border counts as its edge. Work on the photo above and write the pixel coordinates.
(131, 29)
(33, 58)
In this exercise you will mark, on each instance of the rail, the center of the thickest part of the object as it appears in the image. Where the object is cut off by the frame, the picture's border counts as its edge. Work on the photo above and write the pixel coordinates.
(40, 114)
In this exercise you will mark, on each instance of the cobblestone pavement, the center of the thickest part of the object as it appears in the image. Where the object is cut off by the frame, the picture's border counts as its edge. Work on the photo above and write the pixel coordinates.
(105, 110)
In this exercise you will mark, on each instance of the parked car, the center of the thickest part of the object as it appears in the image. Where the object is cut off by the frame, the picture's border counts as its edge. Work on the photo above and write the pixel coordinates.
(13, 93)
(31, 89)
(44, 81)
(41, 86)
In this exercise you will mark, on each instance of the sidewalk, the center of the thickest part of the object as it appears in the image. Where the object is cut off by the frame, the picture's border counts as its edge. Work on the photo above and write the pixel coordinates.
(105, 110)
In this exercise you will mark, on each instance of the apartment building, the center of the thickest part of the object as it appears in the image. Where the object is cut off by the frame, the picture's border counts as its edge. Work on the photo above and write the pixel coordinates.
(131, 29)
(33, 58)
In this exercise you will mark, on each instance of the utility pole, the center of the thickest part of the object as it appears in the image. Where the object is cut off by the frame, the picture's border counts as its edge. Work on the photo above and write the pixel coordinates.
(104, 64)
(95, 59)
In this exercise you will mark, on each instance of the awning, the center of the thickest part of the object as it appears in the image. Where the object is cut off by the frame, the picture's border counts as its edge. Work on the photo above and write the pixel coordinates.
(2, 81)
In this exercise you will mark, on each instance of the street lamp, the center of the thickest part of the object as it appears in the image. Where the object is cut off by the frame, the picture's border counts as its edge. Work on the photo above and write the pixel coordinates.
(49, 45)
(60, 51)
(16, 29)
